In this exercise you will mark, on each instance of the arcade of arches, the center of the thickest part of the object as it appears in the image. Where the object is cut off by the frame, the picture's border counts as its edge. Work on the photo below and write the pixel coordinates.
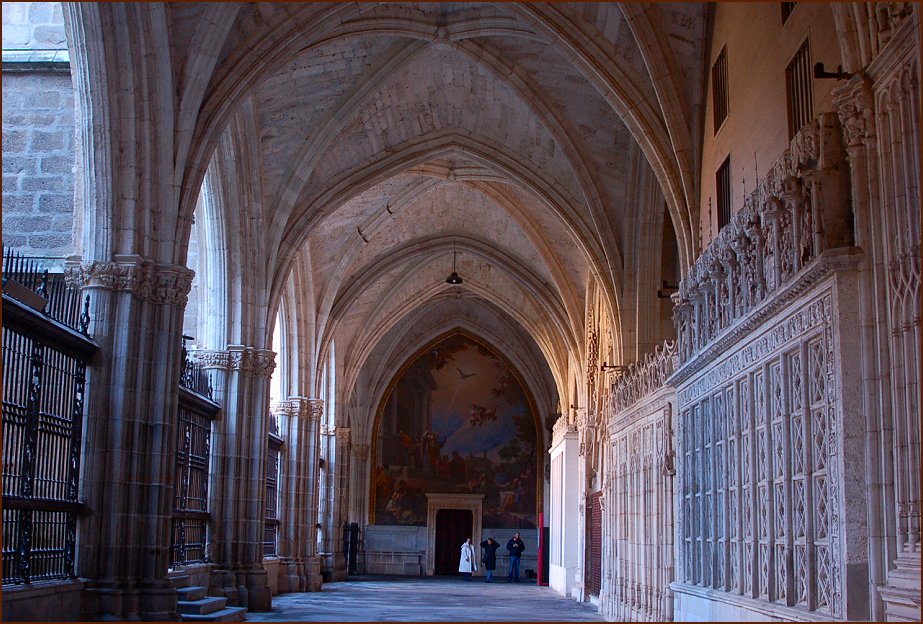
(681, 351)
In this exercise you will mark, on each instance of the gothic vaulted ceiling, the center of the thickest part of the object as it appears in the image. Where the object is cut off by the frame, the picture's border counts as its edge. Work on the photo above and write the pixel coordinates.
(381, 145)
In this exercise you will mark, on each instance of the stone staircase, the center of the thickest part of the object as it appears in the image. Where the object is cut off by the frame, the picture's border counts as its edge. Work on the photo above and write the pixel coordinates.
(195, 606)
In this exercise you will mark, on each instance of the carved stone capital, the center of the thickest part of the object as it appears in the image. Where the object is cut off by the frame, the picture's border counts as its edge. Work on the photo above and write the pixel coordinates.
(315, 409)
(343, 436)
(562, 428)
(361, 451)
(145, 279)
(854, 103)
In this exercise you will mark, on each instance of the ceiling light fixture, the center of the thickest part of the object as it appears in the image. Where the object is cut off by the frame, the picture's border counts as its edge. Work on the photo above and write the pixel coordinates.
(453, 278)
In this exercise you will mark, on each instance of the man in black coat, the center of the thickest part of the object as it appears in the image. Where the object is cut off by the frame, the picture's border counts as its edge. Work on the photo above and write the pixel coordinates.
(490, 557)
(515, 546)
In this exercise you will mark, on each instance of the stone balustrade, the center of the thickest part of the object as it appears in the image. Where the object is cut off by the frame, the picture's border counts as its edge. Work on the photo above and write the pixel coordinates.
(796, 213)
(643, 377)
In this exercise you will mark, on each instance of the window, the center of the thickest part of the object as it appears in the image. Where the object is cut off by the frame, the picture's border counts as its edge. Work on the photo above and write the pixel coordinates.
(799, 87)
(719, 86)
(723, 192)
(787, 8)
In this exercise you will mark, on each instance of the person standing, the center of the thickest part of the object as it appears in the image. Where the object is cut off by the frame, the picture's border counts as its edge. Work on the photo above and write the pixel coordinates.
(466, 564)
(515, 547)
(490, 557)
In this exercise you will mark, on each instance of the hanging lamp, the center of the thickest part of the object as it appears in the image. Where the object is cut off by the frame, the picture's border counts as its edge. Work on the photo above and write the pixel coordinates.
(453, 278)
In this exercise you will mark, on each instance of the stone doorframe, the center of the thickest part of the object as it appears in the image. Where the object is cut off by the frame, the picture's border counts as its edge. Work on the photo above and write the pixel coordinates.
(436, 501)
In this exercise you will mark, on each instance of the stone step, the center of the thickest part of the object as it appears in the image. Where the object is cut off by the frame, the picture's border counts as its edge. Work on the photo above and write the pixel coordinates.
(230, 614)
(180, 580)
(191, 593)
(201, 606)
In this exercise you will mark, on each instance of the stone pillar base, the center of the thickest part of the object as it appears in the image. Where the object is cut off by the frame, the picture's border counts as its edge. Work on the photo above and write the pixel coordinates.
(313, 579)
(255, 589)
(223, 584)
(902, 593)
(291, 576)
(334, 568)
(145, 601)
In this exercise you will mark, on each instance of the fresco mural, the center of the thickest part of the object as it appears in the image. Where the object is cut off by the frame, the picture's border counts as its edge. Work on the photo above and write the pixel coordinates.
(457, 420)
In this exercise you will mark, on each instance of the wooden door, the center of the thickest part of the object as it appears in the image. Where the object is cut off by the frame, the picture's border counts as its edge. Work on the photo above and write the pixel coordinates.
(452, 527)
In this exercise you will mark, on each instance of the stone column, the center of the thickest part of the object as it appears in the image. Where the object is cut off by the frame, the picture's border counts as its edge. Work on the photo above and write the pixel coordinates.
(358, 477)
(313, 577)
(338, 503)
(129, 457)
(300, 418)
(238, 474)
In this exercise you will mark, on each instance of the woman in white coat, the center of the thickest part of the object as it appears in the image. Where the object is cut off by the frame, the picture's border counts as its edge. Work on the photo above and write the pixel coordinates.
(466, 564)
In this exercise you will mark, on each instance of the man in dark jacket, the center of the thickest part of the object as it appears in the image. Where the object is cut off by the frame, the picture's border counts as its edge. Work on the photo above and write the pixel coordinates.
(490, 557)
(515, 546)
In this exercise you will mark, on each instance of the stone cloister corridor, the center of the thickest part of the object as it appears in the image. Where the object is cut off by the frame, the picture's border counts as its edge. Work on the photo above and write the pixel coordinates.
(299, 296)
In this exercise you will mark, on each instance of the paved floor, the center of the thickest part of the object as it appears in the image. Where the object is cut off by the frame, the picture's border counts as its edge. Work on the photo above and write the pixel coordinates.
(427, 599)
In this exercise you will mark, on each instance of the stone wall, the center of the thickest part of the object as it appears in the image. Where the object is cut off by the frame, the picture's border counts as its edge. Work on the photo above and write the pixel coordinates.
(33, 26)
(38, 133)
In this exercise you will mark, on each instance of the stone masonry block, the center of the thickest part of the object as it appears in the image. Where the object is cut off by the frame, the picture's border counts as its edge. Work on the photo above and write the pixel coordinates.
(16, 36)
(17, 205)
(56, 203)
(14, 13)
(30, 224)
(10, 183)
(18, 164)
(50, 36)
(47, 141)
(40, 12)
(57, 164)
(45, 183)
(14, 141)
(44, 99)
(13, 240)
(50, 241)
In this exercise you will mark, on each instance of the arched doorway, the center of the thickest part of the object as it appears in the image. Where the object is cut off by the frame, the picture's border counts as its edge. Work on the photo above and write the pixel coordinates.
(453, 526)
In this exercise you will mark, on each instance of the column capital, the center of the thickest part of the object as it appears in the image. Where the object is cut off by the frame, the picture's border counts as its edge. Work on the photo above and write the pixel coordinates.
(315, 409)
(145, 279)
(343, 436)
(361, 451)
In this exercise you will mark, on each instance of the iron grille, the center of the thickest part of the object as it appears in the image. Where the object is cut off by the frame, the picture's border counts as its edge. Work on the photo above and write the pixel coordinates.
(190, 506)
(44, 381)
(271, 519)
(595, 530)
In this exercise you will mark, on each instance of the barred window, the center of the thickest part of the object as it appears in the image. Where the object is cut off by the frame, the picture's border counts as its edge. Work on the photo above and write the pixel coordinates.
(719, 88)
(799, 89)
(723, 192)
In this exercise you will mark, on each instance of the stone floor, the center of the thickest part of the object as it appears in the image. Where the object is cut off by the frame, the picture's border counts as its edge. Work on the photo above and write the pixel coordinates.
(427, 599)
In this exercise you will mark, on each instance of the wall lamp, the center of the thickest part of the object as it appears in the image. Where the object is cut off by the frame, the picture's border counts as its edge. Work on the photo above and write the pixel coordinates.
(839, 74)
(613, 367)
